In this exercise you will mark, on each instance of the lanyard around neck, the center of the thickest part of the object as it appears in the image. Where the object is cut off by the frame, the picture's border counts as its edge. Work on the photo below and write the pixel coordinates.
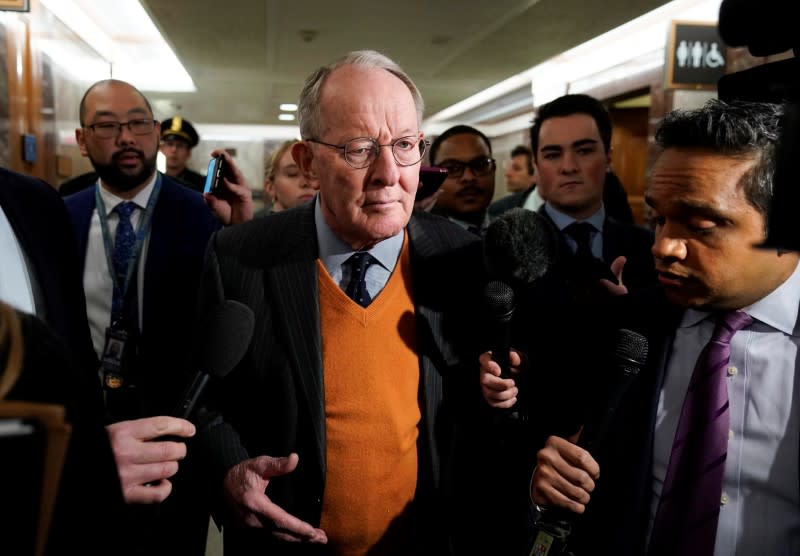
(141, 233)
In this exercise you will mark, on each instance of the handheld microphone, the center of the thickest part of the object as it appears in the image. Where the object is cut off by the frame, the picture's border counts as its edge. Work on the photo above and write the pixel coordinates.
(552, 526)
(630, 355)
(519, 248)
(225, 335)
(498, 298)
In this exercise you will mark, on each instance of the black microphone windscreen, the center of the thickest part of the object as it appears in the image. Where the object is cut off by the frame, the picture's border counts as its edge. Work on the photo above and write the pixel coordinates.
(520, 246)
(629, 356)
(498, 299)
(225, 333)
(630, 351)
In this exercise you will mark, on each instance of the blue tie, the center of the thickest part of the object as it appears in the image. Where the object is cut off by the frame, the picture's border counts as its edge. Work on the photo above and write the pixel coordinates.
(357, 287)
(124, 240)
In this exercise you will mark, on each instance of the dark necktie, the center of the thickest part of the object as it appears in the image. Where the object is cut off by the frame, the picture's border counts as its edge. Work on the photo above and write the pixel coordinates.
(581, 232)
(686, 520)
(357, 287)
(124, 239)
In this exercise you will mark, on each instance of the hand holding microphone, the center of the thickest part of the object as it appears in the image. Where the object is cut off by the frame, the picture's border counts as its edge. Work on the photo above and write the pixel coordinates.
(147, 451)
(225, 336)
(564, 477)
(519, 249)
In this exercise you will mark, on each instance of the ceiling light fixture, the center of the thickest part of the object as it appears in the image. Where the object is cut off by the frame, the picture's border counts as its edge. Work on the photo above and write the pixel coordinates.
(286, 117)
(635, 40)
(288, 107)
(122, 33)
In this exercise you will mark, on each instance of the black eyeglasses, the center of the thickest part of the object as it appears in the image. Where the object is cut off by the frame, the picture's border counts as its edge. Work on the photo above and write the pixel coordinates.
(363, 151)
(481, 166)
(107, 130)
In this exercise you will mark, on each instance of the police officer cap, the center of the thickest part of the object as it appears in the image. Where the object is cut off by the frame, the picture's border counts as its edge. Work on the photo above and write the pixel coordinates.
(178, 128)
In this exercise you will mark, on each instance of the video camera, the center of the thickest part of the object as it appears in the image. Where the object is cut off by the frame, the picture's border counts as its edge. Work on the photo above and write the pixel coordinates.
(766, 28)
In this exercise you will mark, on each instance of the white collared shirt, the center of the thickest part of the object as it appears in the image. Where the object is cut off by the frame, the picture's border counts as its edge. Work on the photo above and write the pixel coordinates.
(760, 506)
(97, 281)
(16, 288)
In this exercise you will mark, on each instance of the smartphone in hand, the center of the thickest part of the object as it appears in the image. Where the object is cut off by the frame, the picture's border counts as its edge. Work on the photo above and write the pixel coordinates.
(431, 179)
(214, 174)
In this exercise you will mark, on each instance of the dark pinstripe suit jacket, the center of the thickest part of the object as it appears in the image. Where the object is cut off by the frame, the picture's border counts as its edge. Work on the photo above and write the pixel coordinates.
(273, 402)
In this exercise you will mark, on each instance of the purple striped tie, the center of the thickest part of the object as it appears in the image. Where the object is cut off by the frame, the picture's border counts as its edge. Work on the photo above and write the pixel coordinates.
(686, 520)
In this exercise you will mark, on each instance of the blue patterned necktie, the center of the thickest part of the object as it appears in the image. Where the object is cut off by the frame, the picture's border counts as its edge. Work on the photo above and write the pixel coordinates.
(124, 239)
(357, 287)
(688, 511)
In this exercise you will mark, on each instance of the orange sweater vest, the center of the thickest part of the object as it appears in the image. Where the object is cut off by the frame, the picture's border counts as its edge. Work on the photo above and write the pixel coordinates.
(371, 413)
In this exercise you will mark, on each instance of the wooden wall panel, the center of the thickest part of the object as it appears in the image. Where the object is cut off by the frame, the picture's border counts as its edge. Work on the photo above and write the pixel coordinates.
(17, 100)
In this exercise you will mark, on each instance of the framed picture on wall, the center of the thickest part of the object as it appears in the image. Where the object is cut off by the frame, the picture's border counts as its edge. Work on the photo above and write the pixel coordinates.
(15, 5)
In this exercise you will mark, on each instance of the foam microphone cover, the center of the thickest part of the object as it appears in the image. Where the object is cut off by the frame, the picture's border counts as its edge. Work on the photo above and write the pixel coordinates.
(520, 246)
(224, 337)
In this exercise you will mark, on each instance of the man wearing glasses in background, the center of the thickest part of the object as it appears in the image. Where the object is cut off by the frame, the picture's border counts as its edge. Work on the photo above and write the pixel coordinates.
(142, 236)
(465, 195)
(334, 428)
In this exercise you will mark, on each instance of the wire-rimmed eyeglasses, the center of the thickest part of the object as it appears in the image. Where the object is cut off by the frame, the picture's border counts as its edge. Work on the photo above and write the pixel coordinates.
(480, 166)
(363, 151)
(107, 130)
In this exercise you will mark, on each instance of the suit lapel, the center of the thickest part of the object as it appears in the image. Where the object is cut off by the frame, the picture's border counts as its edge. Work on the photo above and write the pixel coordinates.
(293, 285)
(433, 350)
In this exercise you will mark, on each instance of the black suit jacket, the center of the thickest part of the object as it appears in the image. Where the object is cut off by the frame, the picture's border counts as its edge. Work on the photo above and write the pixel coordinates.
(273, 402)
(508, 202)
(60, 365)
(180, 229)
(615, 200)
(632, 241)
(617, 516)
(42, 226)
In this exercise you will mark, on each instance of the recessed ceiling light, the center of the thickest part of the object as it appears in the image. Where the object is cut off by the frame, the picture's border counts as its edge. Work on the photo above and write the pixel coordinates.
(288, 107)
(286, 117)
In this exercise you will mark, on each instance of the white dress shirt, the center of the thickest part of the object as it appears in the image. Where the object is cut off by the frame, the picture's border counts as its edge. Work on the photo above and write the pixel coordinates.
(16, 288)
(760, 505)
(97, 281)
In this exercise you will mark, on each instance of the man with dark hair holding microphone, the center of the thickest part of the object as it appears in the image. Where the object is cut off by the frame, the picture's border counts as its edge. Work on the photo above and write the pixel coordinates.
(701, 456)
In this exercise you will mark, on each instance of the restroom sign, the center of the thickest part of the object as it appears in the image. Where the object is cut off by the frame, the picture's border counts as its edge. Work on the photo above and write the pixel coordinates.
(695, 55)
